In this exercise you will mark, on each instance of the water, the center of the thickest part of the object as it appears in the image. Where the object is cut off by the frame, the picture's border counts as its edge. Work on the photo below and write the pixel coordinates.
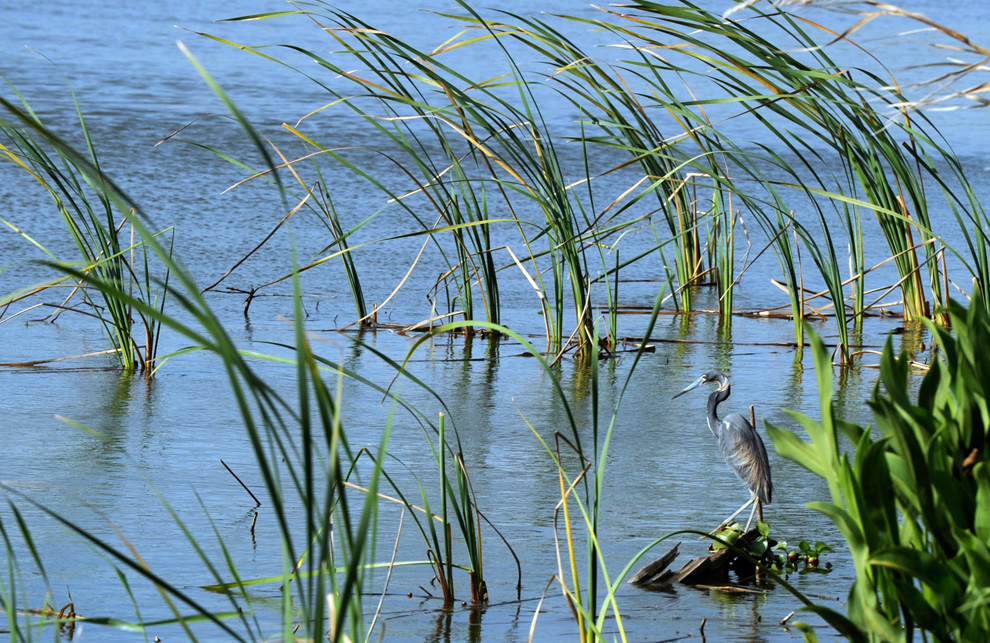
(168, 436)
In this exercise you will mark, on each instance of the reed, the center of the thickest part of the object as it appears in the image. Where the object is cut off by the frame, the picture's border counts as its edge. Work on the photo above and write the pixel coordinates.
(881, 155)
(468, 518)
(98, 226)
(584, 596)
(760, 115)
(439, 552)
(472, 150)
(458, 507)
(723, 259)
(608, 104)
(455, 487)
(434, 147)
(334, 226)
(495, 154)
(582, 488)
(303, 459)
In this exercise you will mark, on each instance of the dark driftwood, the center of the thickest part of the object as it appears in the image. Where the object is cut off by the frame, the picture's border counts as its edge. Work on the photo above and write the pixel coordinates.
(713, 567)
(656, 573)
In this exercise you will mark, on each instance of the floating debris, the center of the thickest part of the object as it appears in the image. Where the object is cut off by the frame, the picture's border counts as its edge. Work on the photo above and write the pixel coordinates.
(710, 571)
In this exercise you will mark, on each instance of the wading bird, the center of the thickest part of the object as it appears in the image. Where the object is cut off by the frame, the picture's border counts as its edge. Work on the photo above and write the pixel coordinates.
(739, 444)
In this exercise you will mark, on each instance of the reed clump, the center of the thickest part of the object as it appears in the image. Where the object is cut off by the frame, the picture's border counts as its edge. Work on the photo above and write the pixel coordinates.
(763, 126)
(100, 226)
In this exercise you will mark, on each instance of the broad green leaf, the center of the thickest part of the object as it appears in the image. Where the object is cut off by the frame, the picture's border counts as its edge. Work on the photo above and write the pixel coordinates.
(916, 564)
(790, 446)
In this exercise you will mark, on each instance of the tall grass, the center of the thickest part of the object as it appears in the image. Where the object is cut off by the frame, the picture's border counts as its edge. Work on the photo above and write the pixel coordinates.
(436, 149)
(457, 486)
(803, 103)
(334, 226)
(581, 487)
(496, 154)
(278, 431)
(460, 496)
(724, 252)
(752, 109)
(483, 159)
(303, 457)
(99, 227)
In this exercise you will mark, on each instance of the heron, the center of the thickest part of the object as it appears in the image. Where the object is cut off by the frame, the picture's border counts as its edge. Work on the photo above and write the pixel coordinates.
(740, 445)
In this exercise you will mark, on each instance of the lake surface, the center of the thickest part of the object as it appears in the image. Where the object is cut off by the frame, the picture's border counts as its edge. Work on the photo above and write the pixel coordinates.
(168, 435)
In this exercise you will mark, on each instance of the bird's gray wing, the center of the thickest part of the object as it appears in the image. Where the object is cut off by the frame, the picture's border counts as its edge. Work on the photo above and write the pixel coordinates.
(744, 452)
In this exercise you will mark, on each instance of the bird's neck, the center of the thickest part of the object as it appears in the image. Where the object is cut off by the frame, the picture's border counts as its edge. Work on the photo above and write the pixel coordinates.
(713, 401)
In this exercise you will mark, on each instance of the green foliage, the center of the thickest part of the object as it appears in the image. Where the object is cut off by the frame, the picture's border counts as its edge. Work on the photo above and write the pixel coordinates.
(98, 223)
(582, 486)
(790, 561)
(913, 502)
(761, 125)
(302, 454)
(913, 498)
(772, 554)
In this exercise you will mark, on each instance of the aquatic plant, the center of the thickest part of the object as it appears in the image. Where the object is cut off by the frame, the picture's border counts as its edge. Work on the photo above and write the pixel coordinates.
(304, 460)
(822, 143)
(810, 113)
(497, 154)
(455, 490)
(456, 494)
(913, 502)
(98, 224)
(810, 554)
(436, 147)
(322, 196)
(583, 487)
(325, 495)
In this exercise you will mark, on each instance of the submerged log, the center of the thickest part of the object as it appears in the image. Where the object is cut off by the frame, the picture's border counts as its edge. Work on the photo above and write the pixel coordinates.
(707, 568)
(656, 573)
(704, 570)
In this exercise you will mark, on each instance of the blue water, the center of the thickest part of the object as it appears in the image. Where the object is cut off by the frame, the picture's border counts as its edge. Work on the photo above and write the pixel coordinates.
(136, 88)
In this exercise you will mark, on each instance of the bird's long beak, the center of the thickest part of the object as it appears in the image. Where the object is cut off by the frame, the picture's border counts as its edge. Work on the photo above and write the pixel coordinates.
(695, 384)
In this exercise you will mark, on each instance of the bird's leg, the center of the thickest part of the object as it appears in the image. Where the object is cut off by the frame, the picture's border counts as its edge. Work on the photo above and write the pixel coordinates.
(751, 514)
(728, 520)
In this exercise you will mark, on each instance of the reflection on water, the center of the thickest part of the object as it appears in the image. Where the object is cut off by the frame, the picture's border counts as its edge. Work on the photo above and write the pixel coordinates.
(447, 631)
(741, 609)
(663, 472)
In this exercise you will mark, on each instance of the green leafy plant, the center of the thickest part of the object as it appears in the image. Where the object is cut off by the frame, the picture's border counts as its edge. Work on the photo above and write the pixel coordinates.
(304, 460)
(773, 554)
(790, 561)
(913, 500)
